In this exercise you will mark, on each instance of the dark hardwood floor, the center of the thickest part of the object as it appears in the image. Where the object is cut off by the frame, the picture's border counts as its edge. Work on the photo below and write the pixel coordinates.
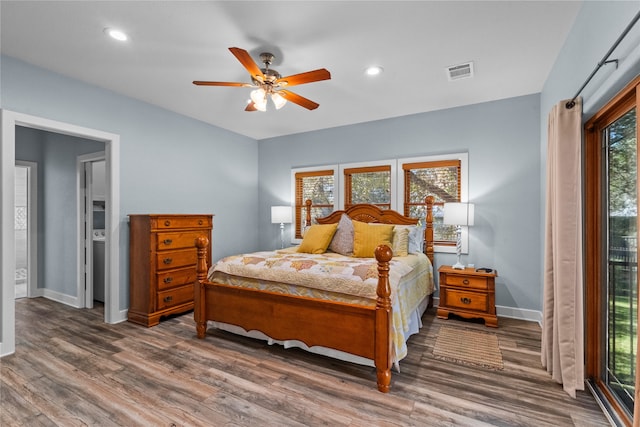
(71, 369)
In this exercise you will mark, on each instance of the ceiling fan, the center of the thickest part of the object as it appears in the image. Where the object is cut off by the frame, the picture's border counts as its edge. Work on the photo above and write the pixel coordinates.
(269, 84)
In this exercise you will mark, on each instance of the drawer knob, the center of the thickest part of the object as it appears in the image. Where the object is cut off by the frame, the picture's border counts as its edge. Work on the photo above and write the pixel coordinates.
(167, 223)
(200, 222)
(167, 241)
(465, 300)
(465, 281)
(168, 280)
(167, 261)
(168, 299)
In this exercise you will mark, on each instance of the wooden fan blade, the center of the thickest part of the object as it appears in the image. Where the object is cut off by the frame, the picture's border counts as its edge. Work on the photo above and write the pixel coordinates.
(297, 99)
(248, 62)
(308, 77)
(201, 83)
(251, 107)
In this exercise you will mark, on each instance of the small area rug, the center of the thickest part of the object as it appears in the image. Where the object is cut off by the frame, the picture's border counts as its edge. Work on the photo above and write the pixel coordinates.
(468, 347)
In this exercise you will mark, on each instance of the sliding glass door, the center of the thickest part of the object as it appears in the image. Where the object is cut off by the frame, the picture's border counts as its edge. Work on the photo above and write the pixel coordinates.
(611, 213)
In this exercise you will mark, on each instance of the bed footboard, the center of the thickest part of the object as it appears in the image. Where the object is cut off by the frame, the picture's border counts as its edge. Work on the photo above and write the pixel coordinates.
(360, 330)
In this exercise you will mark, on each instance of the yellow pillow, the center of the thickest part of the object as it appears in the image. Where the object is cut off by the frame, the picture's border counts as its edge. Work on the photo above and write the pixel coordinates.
(317, 238)
(367, 237)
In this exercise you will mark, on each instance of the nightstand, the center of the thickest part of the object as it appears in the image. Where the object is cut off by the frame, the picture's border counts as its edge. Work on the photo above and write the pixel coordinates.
(468, 293)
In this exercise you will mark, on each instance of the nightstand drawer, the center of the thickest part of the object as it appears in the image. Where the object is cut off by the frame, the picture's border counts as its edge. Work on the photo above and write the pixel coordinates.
(467, 281)
(467, 300)
(183, 222)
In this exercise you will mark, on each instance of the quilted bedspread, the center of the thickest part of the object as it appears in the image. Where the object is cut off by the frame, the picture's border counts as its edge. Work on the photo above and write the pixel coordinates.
(328, 272)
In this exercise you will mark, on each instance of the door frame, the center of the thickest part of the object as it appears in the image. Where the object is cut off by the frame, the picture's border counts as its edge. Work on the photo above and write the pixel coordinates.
(32, 226)
(9, 121)
(84, 182)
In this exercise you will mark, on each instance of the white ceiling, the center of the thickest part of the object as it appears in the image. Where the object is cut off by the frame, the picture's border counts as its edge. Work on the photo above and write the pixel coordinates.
(513, 45)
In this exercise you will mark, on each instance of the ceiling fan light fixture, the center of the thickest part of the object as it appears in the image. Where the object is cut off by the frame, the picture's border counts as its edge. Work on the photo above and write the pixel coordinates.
(278, 100)
(259, 98)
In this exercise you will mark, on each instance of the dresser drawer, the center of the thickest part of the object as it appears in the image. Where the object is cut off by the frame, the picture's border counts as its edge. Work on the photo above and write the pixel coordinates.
(475, 282)
(177, 240)
(182, 222)
(466, 300)
(175, 296)
(173, 278)
(176, 259)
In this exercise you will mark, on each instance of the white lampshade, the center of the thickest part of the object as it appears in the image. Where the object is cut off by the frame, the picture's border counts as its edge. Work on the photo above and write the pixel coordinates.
(280, 214)
(278, 100)
(458, 213)
(259, 98)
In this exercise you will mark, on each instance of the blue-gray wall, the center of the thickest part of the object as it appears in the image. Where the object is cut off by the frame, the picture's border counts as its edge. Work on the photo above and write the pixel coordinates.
(56, 156)
(168, 163)
(171, 163)
(502, 139)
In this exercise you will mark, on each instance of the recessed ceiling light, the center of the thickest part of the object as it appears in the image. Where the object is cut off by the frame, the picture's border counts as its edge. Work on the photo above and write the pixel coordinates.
(116, 34)
(374, 70)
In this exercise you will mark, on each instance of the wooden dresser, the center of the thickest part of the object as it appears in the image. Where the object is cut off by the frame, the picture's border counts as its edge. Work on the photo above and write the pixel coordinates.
(162, 264)
(468, 293)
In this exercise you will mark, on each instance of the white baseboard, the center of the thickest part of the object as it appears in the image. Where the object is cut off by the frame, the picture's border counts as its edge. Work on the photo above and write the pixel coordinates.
(511, 312)
(61, 298)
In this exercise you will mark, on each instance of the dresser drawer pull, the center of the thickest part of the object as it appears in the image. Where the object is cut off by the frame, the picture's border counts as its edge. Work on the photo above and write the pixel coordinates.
(168, 299)
(465, 300)
(168, 280)
(167, 241)
(167, 223)
(167, 261)
(465, 281)
(199, 222)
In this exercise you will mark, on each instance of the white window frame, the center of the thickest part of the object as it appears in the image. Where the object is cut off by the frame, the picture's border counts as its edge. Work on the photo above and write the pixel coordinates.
(464, 190)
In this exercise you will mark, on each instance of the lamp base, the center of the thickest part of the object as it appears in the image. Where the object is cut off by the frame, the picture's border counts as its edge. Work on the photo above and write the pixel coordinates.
(458, 266)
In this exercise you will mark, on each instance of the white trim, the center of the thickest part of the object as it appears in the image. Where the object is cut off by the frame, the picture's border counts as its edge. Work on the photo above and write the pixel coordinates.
(393, 183)
(511, 312)
(464, 190)
(32, 228)
(84, 202)
(10, 120)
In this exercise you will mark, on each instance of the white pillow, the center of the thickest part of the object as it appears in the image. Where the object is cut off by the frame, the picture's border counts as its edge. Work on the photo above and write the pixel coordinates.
(416, 237)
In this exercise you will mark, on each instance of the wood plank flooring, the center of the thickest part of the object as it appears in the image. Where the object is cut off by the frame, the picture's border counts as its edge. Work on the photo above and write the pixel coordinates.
(71, 369)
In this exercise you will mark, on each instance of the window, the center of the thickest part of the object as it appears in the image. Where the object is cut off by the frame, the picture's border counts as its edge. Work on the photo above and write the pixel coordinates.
(317, 186)
(400, 184)
(369, 184)
(439, 178)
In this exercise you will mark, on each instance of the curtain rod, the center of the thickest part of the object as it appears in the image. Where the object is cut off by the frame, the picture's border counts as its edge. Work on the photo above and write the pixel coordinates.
(604, 60)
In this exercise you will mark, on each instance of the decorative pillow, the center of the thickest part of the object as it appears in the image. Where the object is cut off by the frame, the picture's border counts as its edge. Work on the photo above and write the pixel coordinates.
(342, 242)
(416, 237)
(400, 241)
(367, 237)
(317, 238)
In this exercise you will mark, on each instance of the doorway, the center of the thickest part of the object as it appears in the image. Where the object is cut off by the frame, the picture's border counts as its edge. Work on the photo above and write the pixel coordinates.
(26, 228)
(611, 224)
(10, 120)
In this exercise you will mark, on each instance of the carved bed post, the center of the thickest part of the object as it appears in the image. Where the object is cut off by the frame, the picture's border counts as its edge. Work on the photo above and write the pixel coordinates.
(307, 221)
(202, 243)
(428, 230)
(382, 344)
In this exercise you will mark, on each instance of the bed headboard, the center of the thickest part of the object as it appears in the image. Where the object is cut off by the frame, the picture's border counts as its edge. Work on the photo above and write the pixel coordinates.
(372, 213)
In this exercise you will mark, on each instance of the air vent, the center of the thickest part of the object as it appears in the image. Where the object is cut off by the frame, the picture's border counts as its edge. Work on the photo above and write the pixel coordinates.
(461, 71)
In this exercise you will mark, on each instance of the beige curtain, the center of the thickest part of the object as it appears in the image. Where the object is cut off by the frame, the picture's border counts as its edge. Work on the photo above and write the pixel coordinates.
(562, 319)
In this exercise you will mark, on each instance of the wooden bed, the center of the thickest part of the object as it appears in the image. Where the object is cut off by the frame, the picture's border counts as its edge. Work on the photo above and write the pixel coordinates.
(351, 328)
